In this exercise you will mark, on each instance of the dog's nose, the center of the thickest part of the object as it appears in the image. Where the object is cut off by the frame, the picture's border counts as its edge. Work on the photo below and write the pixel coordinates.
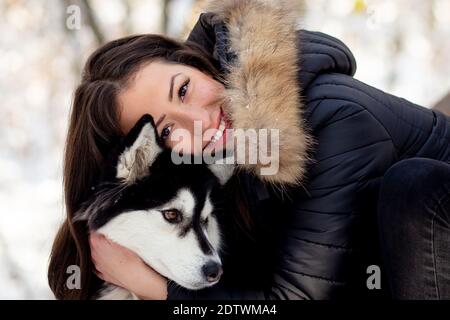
(212, 271)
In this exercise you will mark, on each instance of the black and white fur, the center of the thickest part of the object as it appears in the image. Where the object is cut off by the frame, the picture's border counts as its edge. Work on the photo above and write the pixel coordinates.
(135, 204)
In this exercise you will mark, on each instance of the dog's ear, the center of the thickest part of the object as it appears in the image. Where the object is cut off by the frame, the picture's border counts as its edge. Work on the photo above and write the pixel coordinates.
(81, 215)
(99, 206)
(222, 170)
(85, 212)
(141, 147)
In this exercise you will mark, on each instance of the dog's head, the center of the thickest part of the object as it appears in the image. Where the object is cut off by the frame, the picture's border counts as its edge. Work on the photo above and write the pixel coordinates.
(162, 211)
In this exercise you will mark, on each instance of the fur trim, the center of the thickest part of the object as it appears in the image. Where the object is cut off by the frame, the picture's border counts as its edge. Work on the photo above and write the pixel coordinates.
(262, 87)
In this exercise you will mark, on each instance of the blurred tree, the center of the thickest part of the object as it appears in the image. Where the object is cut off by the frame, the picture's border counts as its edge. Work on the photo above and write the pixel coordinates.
(165, 20)
(127, 25)
(92, 22)
(192, 17)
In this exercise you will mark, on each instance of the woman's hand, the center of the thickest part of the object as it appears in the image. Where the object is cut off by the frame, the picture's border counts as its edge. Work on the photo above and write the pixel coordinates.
(122, 267)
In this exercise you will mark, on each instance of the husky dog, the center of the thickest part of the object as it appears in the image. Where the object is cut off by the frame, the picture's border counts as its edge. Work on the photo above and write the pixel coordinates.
(162, 211)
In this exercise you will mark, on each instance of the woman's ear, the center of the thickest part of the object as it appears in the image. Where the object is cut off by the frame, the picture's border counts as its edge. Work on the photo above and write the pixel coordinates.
(139, 150)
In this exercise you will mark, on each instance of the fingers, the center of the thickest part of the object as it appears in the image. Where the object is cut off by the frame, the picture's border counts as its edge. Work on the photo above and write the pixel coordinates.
(99, 274)
(99, 243)
(94, 242)
(112, 262)
(95, 238)
(98, 240)
(94, 260)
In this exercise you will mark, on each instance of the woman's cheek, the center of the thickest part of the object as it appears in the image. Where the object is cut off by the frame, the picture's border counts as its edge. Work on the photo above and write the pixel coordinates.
(186, 144)
(205, 92)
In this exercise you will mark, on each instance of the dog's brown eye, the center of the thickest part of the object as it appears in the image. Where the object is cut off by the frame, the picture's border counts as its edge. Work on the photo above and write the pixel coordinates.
(172, 215)
(205, 222)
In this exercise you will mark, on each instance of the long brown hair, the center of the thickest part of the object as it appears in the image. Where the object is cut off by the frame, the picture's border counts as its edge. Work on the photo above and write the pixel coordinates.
(93, 128)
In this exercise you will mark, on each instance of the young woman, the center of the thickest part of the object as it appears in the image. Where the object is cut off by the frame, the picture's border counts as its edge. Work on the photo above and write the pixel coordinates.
(365, 176)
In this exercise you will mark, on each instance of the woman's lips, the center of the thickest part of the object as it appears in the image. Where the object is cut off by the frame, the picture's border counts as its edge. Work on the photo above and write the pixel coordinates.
(220, 135)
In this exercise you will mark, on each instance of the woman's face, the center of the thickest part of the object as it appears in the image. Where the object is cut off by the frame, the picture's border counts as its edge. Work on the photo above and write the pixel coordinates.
(183, 101)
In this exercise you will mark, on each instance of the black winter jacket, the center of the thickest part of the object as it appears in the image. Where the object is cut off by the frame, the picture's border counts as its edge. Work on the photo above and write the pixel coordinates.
(317, 240)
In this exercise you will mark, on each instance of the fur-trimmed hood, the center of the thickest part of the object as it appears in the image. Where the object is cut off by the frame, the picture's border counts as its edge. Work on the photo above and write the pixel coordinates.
(262, 90)
(269, 65)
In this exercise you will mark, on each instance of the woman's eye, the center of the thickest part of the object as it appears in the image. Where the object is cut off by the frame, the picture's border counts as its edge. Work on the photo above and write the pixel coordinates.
(172, 215)
(183, 89)
(165, 132)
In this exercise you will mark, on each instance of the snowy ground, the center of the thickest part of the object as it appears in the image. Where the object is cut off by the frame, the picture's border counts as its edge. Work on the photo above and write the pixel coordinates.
(399, 46)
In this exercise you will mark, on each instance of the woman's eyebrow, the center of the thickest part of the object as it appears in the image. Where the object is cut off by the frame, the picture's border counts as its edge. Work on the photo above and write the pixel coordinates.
(171, 86)
(160, 120)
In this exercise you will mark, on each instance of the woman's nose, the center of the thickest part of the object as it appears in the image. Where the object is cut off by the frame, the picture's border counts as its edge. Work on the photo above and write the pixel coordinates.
(193, 117)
